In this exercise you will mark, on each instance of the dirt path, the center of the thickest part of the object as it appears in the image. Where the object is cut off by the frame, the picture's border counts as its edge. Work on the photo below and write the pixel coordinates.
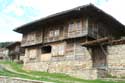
(9, 68)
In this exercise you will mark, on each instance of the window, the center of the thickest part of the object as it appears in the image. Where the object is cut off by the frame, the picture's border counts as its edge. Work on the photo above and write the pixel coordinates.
(61, 49)
(71, 26)
(54, 33)
(74, 25)
(28, 37)
(58, 50)
(78, 24)
(38, 36)
(31, 36)
(54, 50)
(32, 53)
(51, 34)
(46, 49)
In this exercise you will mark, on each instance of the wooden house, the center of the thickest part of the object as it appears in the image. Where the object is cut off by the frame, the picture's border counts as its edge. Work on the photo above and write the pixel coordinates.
(74, 42)
(15, 52)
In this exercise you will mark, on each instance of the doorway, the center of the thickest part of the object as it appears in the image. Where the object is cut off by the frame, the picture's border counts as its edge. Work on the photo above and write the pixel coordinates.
(99, 56)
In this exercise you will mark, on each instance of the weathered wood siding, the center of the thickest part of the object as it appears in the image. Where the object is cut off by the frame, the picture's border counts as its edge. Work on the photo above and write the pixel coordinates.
(14, 50)
(98, 30)
(77, 28)
(31, 55)
(99, 57)
(32, 38)
(71, 28)
(53, 33)
(60, 51)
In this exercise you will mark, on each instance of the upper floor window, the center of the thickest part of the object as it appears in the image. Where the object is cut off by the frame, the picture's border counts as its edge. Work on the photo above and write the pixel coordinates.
(74, 25)
(24, 39)
(51, 34)
(78, 24)
(54, 33)
(38, 33)
(71, 26)
(31, 36)
(38, 36)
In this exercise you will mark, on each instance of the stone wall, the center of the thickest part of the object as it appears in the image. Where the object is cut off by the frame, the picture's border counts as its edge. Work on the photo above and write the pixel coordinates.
(116, 60)
(80, 69)
(4, 79)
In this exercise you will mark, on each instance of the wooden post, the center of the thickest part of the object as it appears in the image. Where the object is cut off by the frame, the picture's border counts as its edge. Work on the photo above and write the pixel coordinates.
(87, 26)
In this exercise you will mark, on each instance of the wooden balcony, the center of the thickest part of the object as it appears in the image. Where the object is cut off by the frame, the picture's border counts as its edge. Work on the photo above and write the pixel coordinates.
(31, 42)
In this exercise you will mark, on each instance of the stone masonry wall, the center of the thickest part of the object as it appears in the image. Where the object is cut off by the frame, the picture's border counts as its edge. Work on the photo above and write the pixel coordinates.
(73, 68)
(116, 60)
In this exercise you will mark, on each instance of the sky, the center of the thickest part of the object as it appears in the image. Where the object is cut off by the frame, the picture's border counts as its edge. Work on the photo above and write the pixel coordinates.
(14, 13)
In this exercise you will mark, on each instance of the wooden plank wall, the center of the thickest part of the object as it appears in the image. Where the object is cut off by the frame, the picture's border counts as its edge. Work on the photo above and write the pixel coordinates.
(73, 51)
(98, 30)
(65, 30)
(32, 38)
(99, 57)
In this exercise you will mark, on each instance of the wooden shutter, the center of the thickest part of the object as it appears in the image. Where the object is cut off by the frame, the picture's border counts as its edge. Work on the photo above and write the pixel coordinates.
(58, 50)
(55, 50)
(32, 53)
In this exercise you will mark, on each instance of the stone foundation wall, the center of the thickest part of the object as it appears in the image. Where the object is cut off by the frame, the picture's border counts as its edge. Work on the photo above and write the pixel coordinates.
(4, 79)
(80, 69)
(116, 60)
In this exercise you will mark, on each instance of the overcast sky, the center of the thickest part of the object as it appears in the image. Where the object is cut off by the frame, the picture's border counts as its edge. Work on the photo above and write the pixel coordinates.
(14, 13)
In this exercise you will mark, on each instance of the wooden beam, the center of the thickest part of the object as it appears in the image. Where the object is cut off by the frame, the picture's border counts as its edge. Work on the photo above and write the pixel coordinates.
(95, 42)
(117, 42)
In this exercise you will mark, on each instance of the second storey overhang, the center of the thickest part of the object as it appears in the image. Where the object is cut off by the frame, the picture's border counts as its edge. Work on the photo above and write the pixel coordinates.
(13, 45)
(88, 11)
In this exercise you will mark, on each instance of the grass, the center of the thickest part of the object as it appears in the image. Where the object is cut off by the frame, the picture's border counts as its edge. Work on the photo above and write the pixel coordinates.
(44, 76)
